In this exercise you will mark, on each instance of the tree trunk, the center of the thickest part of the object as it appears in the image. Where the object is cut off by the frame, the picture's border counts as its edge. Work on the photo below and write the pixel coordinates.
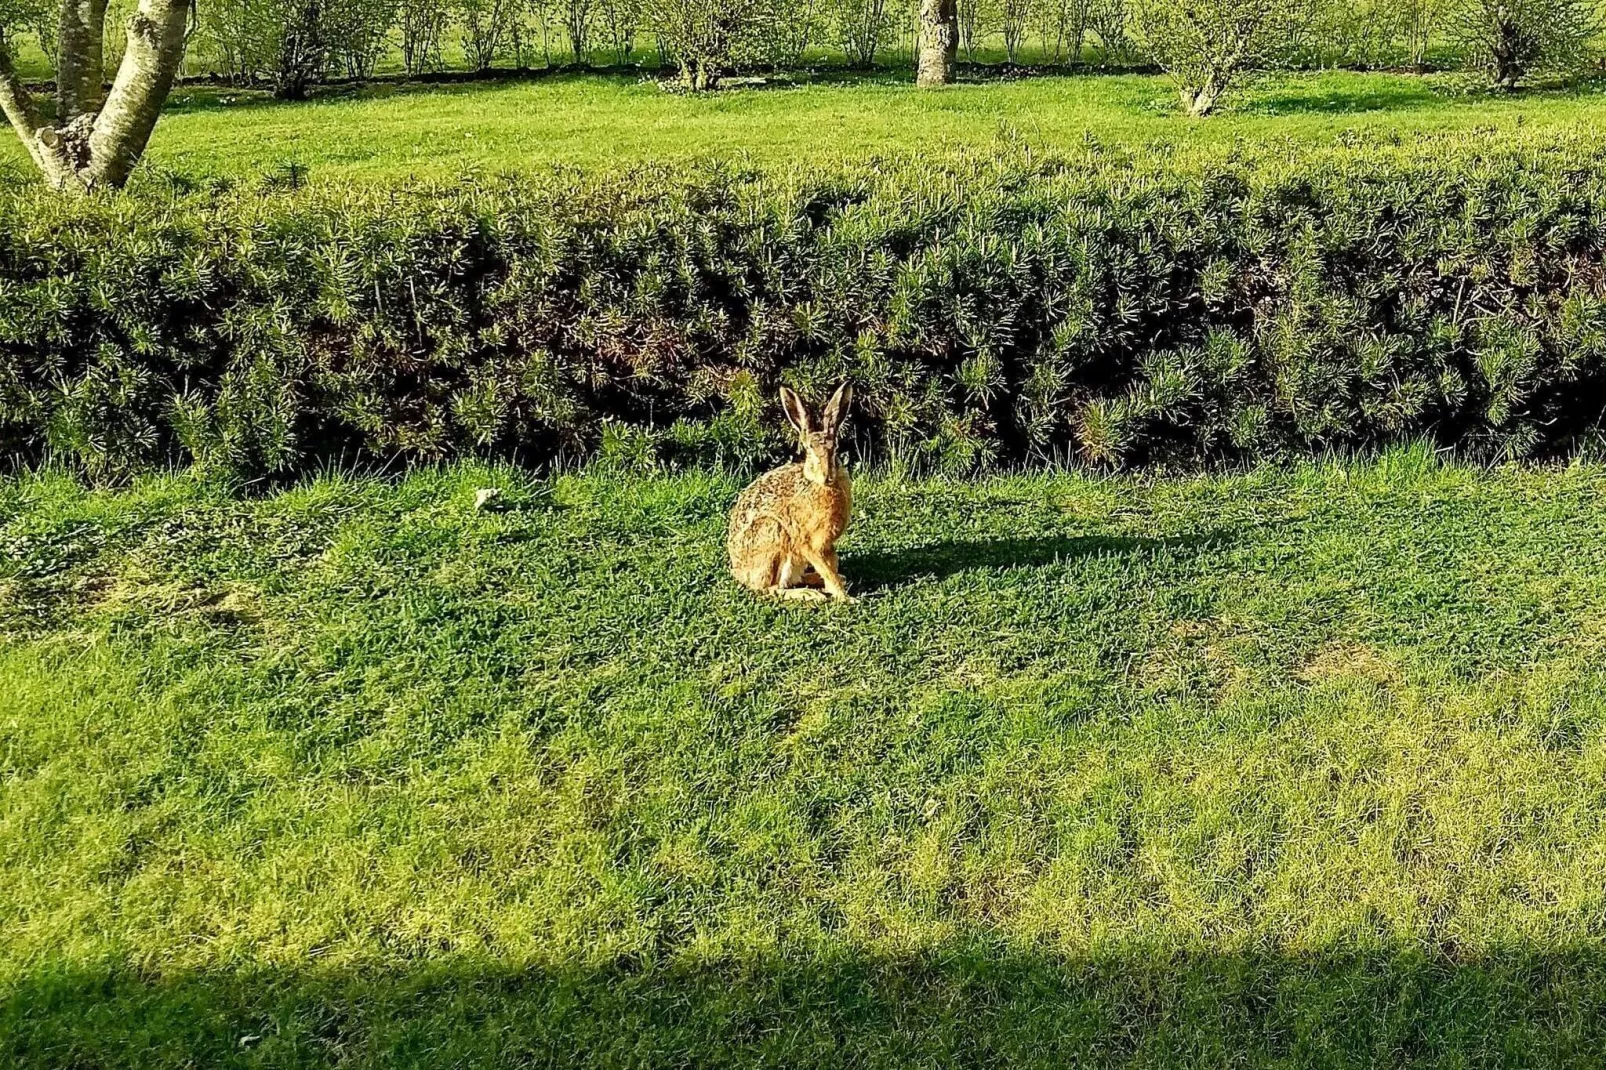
(95, 145)
(150, 64)
(939, 42)
(1199, 101)
(302, 53)
(81, 68)
(1507, 50)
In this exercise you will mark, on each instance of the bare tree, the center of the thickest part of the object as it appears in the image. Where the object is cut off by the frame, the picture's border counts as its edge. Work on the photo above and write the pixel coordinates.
(485, 25)
(939, 42)
(1209, 46)
(1108, 20)
(862, 28)
(1512, 39)
(97, 137)
(423, 31)
(1063, 27)
(1014, 17)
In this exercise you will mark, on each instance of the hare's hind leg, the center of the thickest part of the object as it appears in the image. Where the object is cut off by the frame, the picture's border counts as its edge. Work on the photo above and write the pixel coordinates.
(775, 574)
(800, 594)
(756, 572)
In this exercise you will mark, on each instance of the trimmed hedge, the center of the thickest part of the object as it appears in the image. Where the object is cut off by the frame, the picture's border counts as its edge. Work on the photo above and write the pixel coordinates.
(1115, 307)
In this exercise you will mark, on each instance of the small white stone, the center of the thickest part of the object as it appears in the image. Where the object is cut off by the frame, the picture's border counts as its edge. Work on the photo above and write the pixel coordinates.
(486, 497)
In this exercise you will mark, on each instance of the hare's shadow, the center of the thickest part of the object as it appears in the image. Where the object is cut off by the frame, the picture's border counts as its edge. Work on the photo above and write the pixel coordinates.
(880, 569)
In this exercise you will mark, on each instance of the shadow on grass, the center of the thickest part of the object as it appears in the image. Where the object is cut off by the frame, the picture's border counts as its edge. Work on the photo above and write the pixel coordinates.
(877, 570)
(972, 1004)
(213, 94)
(1352, 99)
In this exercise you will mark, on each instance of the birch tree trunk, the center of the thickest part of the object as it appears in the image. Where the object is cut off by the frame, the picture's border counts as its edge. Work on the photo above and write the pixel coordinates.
(939, 42)
(95, 141)
(81, 68)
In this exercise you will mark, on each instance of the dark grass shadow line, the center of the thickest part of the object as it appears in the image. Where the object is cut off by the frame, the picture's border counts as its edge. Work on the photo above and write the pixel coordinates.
(878, 570)
(970, 1003)
(209, 93)
(1349, 102)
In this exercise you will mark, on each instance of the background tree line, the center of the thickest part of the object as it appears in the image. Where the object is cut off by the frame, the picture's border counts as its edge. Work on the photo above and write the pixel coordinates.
(291, 45)
(115, 60)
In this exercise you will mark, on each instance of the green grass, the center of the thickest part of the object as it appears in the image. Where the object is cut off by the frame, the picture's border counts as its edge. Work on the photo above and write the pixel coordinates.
(392, 131)
(1297, 767)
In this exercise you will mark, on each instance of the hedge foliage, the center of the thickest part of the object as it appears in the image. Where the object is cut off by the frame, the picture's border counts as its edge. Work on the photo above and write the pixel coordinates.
(1112, 306)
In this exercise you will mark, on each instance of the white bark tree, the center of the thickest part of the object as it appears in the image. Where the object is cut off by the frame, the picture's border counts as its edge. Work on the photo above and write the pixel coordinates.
(97, 136)
(939, 43)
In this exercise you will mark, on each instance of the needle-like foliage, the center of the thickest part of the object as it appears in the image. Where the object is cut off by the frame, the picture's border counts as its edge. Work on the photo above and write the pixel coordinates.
(1104, 306)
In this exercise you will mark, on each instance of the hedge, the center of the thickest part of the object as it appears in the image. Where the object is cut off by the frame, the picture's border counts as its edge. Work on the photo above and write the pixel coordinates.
(1107, 307)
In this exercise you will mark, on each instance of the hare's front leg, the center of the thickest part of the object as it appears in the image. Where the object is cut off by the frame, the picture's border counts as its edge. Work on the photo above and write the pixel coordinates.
(825, 563)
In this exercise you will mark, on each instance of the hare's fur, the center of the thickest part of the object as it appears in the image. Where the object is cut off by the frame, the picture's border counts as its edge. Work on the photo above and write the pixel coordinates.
(784, 529)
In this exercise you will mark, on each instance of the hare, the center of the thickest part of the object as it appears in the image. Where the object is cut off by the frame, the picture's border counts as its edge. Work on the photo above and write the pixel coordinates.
(788, 521)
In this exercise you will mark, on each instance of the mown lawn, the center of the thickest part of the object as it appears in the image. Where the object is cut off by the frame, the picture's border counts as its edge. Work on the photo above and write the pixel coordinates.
(391, 132)
(1300, 767)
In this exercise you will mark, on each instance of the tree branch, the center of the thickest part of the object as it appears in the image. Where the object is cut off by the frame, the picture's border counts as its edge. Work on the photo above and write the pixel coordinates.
(17, 103)
(81, 66)
(42, 142)
(156, 35)
(15, 100)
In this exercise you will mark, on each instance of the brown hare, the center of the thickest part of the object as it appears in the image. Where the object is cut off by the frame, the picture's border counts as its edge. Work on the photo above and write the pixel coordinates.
(787, 523)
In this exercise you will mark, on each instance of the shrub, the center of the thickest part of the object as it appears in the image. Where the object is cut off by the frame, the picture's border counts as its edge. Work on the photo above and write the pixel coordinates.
(620, 20)
(486, 28)
(1063, 26)
(422, 25)
(579, 20)
(1420, 22)
(1104, 306)
(1209, 46)
(863, 28)
(358, 34)
(293, 44)
(1512, 39)
(707, 37)
(1108, 20)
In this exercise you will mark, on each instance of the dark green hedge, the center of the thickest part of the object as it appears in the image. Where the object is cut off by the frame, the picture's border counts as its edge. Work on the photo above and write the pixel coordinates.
(1113, 307)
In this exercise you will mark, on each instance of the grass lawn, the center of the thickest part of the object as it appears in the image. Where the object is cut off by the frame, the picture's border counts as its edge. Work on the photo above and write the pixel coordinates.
(1300, 767)
(391, 131)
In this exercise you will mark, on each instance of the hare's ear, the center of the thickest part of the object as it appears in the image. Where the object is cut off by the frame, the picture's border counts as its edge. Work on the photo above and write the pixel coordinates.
(837, 408)
(796, 411)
